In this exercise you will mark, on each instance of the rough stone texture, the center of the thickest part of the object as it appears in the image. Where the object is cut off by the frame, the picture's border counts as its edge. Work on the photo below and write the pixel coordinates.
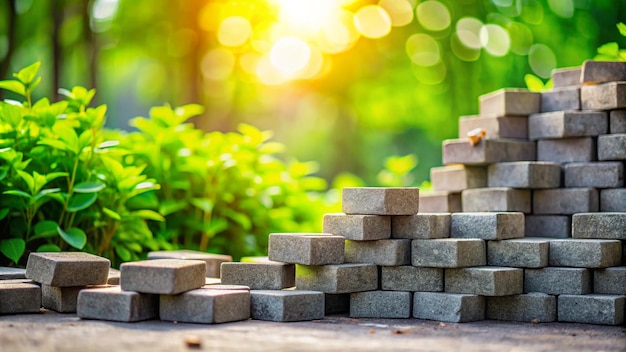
(65, 269)
(206, 306)
(598, 174)
(286, 305)
(337, 278)
(60, 299)
(382, 252)
(410, 278)
(585, 253)
(308, 249)
(336, 303)
(495, 126)
(449, 253)
(259, 276)
(496, 199)
(455, 178)
(487, 151)
(602, 71)
(485, 281)
(608, 96)
(565, 201)
(380, 200)
(421, 226)
(525, 174)
(448, 307)
(612, 146)
(531, 307)
(519, 253)
(566, 150)
(592, 309)
(114, 277)
(19, 297)
(613, 200)
(509, 102)
(599, 225)
(358, 227)
(551, 226)
(557, 281)
(440, 202)
(111, 303)
(610, 280)
(617, 121)
(566, 77)
(213, 261)
(380, 304)
(559, 99)
(162, 276)
(567, 124)
(7, 273)
(487, 226)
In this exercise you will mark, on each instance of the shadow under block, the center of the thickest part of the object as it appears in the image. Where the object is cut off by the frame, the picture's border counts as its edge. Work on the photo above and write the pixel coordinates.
(606, 96)
(162, 276)
(308, 249)
(7, 273)
(592, 309)
(485, 281)
(560, 99)
(19, 297)
(509, 102)
(566, 77)
(380, 200)
(487, 226)
(602, 71)
(567, 124)
(114, 277)
(336, 303)
(530, 307)
(518, 253)
(525, 174)
(380, 304)
(613, 200)
(567, 150)
(456, 178)
(448, 253)
(411, 278)
(495, 126)
(421, 226)
(617, 121)
(610, 280)
(448, 307)
(259, 276)
(65, 269)
(357, 227)
(551, 226)
(557, 281)
(609, 174)
(612, 146)
(206, 306)
(391, 252)
(440, 202)
(565, 201)
(585, 253)
(487, 151)
(499, 199)
(610, 226)
(213, 261)
(337, 278)
(284, 306)
(111, 303)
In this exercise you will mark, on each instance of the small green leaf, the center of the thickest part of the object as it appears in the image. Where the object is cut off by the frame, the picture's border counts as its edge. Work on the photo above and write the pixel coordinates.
(81, 201)
(168, 207)
(28, 73)
(15, 192)
(609, 49)
(123, 253)
(110, 213)
(75, 237)
(89, 187)
(622, 28)
(534, 83)
(45, 229)
(4, 212)
(204, 204)
(13, 86)
(13, 248)
(54, 143)
(148, 214)
(48, 247)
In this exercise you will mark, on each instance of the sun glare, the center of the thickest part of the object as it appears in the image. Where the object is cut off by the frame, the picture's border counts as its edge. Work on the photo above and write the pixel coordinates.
(308, 16)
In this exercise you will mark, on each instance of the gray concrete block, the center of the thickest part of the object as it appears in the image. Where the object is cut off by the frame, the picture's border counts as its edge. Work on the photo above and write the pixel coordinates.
(213, 261)
(380, 200)
(259, 276)
(599, 225)
(306, 248)
(566, 150)
(602, 71)
(421, 226)
(440, 202)
(567, 124)
(613, 200)
(448, 307)
(114, 277)
(411, 278)
(484, 281)
(337, 278)
(358, 227)
(525, 174)
(607, 96)
(60, 299)
(610, 280)
(592, 309)
(551, 226)
(7, 273)
(336, 303)
(557, 281)
(566, 77)
(487, 226)
(559, 99)
(585, 253)
(111, 303)
(565, 201)
(617, 121)
(495, 126)
(205, 306)
(519, 253)
(487, 151)
(509, 102)
(19, 297)
(283, 306)
(381, 304)
(530, 307)
(608, 174)
(64, 269)
(162, 276)
(455, 178)
(382, 252)
(449, 253)
(612, 146)
(496, 199)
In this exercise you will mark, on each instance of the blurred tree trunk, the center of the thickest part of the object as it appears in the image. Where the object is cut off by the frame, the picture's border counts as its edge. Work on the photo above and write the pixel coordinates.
(91, 46)
(11, 33)
(57, 21)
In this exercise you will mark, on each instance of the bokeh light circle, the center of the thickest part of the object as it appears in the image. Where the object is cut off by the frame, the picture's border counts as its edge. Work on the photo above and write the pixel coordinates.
(372, 21)
(433, 15)
(234, 31)
(468, 31)
(400, 11)
(217, 64)
(290, 54)
(495, 40)
(423, 49)
(542, 60)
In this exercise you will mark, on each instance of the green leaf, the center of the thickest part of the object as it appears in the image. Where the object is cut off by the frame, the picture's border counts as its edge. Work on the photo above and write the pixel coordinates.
(28, 73)
(54, 143)
(622, 28)
(4, 212)
(89, 187)
(401, 165)
(12, 114)
(81, 201)
(48, 247)
(148, 214)
(13, 248)
(75, 237)
(67, 134)
(123, 253)
(204, 204)
(609, 49)
(171, 206)
(54, 175)
(112, 214)
(534, 83)
(216, 226)
(239, 218)
(13, 86)
(45, 229)
(15, 192)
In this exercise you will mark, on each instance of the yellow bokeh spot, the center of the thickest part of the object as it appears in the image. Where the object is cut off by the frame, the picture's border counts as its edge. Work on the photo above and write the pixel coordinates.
(372, 21)
(339, 34)
(209, 16)
(423, 49)
(306, 15)
(400, 11)
(289, 55)
(433, 15)
(268, 74)
(217, 64)
(249, 62)
(234, 31)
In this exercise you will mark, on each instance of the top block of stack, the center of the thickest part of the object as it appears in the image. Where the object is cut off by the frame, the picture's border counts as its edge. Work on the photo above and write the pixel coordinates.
(67, 269)
(380, 201)
(510, 102)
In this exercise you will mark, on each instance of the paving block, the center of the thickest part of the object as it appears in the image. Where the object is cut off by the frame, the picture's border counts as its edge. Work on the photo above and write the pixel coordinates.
(206, 306)
(448, 307)
(336, 303)
(509, 102)
(65, 269)
(487, 226)
(283, 306)
(487, 151)
(560, 99)
(411, 278)
(255, 259)
(484, 281)
(111, 303)
(567, 124)
(337, 278)
(455, 178)
(566, 77)
(421, 226)
(525, 174)
(60, 299)
(448, 253)
(519, 253)
(612, 146)
(380, 200)
(7, 273)
(259, 276)
(19, 297)
(607, 96)
(617, 121)
(551, 226)
(496, 199)
(495, 126)
(530, 307)
(114, 277)
(602, 71)
(597, 174)
(565, 201)
(592, 309)
(162, 276)
(610, 280)
(557, 281)
(440, 202)
(221, 287)
(566, 150)
(613, 200)
(382, 252)
(585, 253)
(358, 227)
(599, 225)
(381, 304)
(306, 248)
(213, 261)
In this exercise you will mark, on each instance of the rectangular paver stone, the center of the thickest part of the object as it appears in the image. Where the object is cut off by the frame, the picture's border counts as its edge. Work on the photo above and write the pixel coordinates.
(448, 307)
(487, 151)
(567, 124)
(607, 96)
(496, 199)
(613, 200)
(525, 174)
(585, 253)
(206, 306)
(612, 146)
(60, 299)
(380, 304)
(565, 201)
(610, 280)
(487, 226)
(440, 202)
(531, 307)
(602, 71)
(592, 309)
(213, 261)
(259, 276)
(162, 276)
(308, 249)
(283, 306)
(509, 102)
(380, 200)
(608, 174)
(617, 121)
(566, 150)
(455, 178)
(421, 226)
(495, 126)
(485, 281)
(566, 77)
(357, 227)
(112, 303)
(519, 253)
(599, 225)
(382, 252)
(559, 99)
(7, 273)
(411, 278)
(19, 297)
(557, 281)
(551, 226)
(449, 253)
(67, 268)
(114, 277)
(337, 278)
